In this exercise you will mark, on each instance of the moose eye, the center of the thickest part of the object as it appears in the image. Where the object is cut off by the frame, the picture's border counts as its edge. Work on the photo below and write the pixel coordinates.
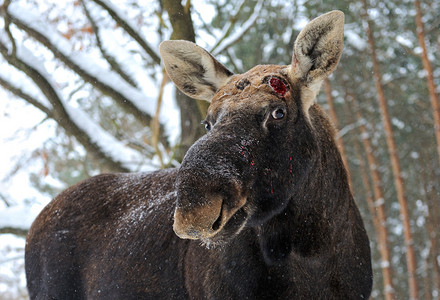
(278, 113)
(207, 125)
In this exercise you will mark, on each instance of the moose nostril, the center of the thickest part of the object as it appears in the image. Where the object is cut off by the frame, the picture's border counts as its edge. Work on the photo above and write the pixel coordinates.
(218, 222)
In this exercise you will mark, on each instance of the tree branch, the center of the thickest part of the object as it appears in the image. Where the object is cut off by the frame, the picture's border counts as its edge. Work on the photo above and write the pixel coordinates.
(129, 29)
(230, 40)
(130, 99)
(121, 97)
(14, 230)
(5, 201)
(228, 28)
(181, 21)
(28, 98)
(191, 111)
(59, 113)
(155, 126)
(7, 19)
(108, 57)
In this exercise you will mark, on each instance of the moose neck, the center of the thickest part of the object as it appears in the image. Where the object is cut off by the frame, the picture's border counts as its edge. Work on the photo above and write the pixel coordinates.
(317, 208)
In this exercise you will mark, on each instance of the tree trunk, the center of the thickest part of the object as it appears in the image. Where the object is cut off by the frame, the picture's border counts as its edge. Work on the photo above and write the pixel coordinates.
(190, 118)
(192, 112)
(395, 163)
(432, 227)
(429, 74)
(334, 117)
(378, 205)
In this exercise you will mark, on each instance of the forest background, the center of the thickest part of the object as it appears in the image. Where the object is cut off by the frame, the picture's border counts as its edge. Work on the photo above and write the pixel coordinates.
(82, 92)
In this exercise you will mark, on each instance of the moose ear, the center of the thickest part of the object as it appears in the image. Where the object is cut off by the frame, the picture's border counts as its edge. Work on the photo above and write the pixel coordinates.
(317, 50)
(194, 70)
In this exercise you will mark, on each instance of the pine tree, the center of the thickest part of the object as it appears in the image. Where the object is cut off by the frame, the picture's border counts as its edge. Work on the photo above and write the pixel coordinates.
(435, 103)
(395, 163)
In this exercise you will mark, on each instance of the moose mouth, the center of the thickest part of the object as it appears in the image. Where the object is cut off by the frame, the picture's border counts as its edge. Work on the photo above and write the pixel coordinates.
(232, 228)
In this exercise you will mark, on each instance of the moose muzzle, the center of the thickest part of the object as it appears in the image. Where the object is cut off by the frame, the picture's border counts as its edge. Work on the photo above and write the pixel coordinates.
(199, 222)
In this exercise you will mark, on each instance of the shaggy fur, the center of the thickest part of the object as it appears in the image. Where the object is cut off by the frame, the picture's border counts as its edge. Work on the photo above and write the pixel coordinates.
(259, 209)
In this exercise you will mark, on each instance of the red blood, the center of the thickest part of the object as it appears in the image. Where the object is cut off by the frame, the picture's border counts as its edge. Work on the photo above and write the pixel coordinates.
(291, 168)
(278, 86)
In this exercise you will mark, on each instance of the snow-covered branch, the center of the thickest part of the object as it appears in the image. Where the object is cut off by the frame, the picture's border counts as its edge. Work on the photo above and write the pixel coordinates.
(129, 98)
(236, 36)
(112, 60)
(113, 154)
(125, 23)
(230, 25)
(7, 84)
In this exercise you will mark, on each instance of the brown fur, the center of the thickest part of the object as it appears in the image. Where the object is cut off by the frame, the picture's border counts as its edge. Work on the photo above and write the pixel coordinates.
(261, 203)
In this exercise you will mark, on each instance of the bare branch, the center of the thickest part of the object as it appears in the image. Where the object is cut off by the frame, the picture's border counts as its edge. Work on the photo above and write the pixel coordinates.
(129, 29)
(237, 66)
(7, 19)
(427, 66)
(108, 57)
(191, 111)
(14, 230)
(187, 6)
(155, 126)
(5, 201)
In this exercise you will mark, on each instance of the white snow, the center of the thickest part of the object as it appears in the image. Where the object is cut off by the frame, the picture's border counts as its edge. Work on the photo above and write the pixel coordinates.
(12, 277)
(233, 38)
(379, 202)
(398, 123)
(384, 264)
(19, 216)
(354, 39)
(404, 41)
(19, 137)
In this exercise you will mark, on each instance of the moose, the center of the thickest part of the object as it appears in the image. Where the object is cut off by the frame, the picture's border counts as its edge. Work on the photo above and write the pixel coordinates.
(260, 207)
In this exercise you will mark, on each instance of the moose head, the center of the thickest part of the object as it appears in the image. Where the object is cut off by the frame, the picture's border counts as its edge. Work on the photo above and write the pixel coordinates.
(265, 137)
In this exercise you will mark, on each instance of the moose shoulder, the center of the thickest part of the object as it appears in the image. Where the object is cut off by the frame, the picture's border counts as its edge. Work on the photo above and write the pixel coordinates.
(259, 209)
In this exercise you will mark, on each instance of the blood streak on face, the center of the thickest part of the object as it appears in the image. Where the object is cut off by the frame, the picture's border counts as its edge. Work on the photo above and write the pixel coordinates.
(278, 86)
